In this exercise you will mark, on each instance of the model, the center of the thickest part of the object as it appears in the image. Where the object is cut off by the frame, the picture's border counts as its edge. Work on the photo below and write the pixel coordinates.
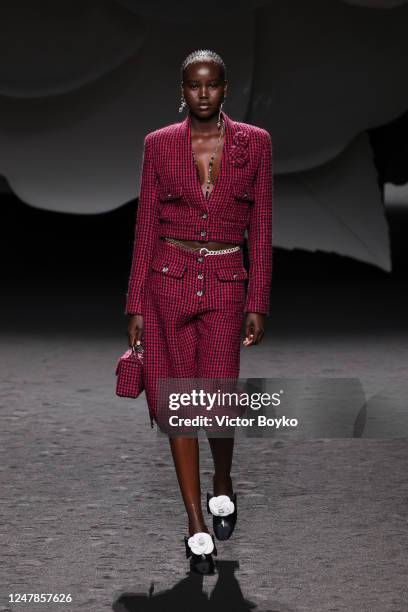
(205, 181)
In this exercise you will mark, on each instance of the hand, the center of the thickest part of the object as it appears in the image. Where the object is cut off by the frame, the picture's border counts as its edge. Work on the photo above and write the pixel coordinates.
(254, 328)
(135, 329)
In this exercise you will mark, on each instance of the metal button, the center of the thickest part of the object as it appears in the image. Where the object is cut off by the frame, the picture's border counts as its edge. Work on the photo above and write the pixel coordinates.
(169, 195)
(199, 293)
(235, 275)
(204, 216)
(245, 195)
(200, 259)
(203, 233)
(200, 276)
(165, 269)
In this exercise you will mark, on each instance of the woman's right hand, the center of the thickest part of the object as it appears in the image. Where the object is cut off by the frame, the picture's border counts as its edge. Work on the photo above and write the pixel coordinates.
(135, 329)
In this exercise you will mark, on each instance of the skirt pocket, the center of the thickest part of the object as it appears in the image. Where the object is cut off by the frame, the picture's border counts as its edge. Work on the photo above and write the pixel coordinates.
(231, 284)
(166, 278)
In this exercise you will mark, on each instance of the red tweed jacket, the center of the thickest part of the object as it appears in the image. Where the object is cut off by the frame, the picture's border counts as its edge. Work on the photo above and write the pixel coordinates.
(172, 203)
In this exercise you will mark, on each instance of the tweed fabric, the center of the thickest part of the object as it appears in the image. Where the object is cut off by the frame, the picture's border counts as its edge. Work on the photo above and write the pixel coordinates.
(193, 316)
(172, 204)
(129, 373)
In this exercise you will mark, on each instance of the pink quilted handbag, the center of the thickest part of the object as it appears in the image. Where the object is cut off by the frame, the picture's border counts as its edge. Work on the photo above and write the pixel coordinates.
(129, 372)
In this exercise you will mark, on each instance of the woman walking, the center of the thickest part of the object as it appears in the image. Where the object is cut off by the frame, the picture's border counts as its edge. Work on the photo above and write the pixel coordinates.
(204, 181)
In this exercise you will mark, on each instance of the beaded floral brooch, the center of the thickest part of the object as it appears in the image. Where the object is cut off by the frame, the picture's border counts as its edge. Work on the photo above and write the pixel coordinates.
(239, 149)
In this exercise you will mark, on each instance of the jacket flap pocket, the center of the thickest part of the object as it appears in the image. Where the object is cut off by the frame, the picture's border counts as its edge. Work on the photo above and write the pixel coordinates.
(243, 194)
(169, 268)
(167, 194)
(232, 274)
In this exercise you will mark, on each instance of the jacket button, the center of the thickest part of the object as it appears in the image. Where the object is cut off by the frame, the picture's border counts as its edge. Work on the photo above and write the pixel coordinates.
(235, 275)
(245, 195)
(203, 233)
(204, 216)
(199, 293)
(169, 195)
(200, 276)
(165, 269)
(200, 259)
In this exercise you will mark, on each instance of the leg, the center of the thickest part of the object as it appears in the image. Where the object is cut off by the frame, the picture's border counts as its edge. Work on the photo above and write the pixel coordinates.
(221, 450)
(172, 338)
(219, 357)
(187, 462)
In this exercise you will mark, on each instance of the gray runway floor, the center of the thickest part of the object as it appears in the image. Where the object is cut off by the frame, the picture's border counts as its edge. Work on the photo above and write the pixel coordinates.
(90, 504)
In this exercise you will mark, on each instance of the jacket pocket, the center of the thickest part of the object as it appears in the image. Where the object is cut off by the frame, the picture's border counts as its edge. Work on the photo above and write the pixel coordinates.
(170, 194)
(243, 194)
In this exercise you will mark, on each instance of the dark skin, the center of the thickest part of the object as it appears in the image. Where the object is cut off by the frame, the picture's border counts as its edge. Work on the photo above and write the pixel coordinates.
(203, 84)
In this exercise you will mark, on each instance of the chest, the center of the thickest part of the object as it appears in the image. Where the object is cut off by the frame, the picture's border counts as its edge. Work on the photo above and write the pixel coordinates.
(207, 154)
(180, 177)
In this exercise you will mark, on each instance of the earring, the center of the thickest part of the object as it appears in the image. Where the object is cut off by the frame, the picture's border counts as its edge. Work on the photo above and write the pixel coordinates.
(182, 104)
(219, 115)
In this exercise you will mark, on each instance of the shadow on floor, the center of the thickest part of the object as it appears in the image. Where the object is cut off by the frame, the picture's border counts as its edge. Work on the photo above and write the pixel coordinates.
(226, 595)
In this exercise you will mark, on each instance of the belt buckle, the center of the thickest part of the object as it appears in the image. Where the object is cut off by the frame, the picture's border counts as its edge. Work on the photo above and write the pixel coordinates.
(204, 249)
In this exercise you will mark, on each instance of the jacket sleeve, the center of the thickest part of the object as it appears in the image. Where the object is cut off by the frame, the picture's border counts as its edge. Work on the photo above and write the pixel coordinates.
(146, 232)
(260, 235)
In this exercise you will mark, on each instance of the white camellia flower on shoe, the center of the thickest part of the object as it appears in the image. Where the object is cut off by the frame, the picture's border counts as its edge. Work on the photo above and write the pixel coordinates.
(201, 543)
(221, 505)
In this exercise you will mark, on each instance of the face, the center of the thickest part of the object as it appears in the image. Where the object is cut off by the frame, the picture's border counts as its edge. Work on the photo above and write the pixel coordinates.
(204, 89)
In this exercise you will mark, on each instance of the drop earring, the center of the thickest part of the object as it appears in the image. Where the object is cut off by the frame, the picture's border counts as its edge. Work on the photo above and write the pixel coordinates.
(183, 103)
(219, 115)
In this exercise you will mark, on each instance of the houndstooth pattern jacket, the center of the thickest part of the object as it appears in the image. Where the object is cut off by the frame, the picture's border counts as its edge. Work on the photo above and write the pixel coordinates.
(172, 203)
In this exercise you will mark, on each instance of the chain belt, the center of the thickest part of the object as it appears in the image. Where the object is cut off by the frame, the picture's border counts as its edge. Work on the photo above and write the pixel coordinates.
(201, 249)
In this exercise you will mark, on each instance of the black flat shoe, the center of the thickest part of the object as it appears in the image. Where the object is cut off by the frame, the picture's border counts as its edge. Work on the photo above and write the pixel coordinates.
(201, 563)
(223, 525)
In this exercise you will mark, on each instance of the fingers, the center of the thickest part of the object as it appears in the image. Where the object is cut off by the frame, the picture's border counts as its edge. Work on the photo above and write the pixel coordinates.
(249, 333)
(135, 337)
(248, 340)
(253, 334)
(135, 332)
(139, 334)
(133, 340)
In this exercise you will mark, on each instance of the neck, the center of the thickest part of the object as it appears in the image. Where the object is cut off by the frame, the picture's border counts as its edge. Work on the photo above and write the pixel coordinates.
(204, 126)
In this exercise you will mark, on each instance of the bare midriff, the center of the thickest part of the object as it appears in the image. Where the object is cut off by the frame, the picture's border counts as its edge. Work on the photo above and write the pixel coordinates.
(214, 246)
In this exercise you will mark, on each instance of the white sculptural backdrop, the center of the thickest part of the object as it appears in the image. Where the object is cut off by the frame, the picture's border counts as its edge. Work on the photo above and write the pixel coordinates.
(82, 85)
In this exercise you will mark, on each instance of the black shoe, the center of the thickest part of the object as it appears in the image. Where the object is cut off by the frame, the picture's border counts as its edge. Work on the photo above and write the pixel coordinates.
(223, 525)
(202, 563)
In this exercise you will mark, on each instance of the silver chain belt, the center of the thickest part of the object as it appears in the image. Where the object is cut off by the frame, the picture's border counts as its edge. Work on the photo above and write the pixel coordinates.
(201, 249)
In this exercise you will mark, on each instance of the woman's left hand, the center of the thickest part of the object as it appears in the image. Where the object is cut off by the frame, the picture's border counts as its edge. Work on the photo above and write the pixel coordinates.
(254, 328)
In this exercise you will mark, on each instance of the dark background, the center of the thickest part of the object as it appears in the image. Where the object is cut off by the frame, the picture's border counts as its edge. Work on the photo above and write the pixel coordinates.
(68, 272)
